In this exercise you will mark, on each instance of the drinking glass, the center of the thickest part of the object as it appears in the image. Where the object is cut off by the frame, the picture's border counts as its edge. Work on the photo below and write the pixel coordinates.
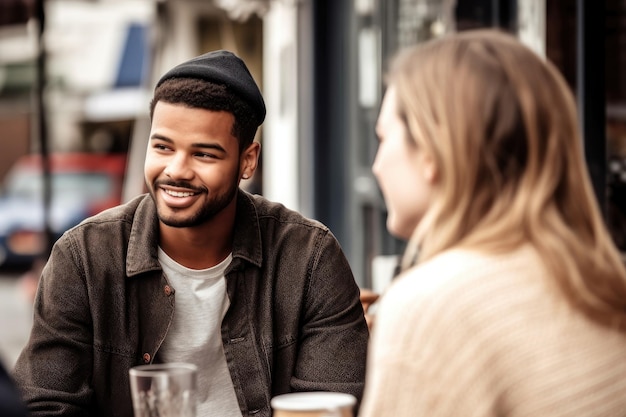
(164, 390)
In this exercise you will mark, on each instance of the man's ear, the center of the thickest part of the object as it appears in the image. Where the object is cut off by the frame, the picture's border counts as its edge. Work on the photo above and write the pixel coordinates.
(249, 160)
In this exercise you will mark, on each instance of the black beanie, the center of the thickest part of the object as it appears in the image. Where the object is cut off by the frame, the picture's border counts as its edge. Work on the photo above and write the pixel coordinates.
(222, 67)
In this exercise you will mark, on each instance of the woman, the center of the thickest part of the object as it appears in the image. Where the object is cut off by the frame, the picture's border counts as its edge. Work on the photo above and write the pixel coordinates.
(512, 299)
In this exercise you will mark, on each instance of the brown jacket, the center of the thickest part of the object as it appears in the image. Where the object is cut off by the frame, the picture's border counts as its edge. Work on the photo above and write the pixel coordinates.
(295, 322)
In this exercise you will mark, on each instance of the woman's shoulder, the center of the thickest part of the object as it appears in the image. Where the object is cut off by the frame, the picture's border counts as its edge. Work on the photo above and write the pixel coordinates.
(460, 281)
(460, 267)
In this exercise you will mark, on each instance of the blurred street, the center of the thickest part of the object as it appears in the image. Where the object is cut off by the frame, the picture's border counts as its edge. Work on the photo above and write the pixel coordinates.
(15, 317)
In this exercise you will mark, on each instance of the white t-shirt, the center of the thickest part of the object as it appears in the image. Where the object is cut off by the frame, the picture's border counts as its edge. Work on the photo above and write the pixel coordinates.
(195, 334)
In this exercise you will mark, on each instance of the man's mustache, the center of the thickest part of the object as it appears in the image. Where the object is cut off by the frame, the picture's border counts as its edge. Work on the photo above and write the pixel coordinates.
(180, 184)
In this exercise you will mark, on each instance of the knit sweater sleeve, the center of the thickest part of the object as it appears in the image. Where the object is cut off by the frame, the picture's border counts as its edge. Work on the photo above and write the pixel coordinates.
(476, 335)
(429, 354)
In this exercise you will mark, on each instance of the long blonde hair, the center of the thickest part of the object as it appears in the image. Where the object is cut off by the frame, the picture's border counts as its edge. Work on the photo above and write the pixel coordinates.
(500, 124)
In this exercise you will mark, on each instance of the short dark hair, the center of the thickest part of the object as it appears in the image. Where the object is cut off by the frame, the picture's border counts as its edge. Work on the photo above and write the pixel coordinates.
(198, 93)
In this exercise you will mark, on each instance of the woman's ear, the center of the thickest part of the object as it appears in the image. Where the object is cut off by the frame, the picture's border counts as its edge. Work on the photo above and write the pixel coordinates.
(249, 160)
(429, 168)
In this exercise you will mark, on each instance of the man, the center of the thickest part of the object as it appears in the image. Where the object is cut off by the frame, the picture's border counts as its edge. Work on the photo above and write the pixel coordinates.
(261, 299)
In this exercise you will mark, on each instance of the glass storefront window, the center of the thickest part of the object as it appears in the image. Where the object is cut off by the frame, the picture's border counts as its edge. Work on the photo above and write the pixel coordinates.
(550, 28)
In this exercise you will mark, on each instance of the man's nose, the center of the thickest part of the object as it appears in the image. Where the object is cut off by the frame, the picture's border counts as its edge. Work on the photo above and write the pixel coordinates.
(178, 167)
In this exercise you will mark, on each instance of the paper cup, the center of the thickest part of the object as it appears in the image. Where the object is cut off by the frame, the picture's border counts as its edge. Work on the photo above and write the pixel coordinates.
(314, 404)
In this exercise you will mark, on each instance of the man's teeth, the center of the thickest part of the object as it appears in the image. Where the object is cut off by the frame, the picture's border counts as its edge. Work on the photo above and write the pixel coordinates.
(179, 193)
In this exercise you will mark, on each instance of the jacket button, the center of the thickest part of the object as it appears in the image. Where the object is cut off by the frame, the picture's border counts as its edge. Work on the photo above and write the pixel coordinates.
(146, 358)
(168, 290)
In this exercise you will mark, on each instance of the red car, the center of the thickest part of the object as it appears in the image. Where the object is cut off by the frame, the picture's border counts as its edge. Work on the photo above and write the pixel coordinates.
(82, 184)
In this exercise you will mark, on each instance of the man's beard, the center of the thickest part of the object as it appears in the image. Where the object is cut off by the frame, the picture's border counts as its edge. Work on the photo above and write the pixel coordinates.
(207, 212)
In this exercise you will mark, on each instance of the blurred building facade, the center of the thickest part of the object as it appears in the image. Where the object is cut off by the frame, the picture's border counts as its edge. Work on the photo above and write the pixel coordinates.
(320, 65)
(342, 49)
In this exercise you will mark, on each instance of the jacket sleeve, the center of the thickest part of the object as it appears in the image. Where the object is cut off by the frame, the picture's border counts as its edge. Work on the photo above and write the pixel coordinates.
(332, 353)
(54, 370)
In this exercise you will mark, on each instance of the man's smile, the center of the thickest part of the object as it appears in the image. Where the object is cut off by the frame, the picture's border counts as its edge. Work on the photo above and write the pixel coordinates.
(179, 193)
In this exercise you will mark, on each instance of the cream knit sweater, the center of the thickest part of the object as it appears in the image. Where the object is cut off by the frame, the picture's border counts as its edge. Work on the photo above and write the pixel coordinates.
(466, 334)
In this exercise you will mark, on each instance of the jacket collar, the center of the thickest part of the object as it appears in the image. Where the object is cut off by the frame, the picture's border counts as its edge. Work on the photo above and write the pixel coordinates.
(142, 254)
(247, 243)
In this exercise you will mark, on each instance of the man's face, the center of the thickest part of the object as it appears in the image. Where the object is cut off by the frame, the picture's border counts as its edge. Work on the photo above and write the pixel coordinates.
(192, 167)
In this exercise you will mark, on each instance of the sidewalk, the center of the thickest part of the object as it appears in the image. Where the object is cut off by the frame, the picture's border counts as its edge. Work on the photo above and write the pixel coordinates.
(15, 319)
